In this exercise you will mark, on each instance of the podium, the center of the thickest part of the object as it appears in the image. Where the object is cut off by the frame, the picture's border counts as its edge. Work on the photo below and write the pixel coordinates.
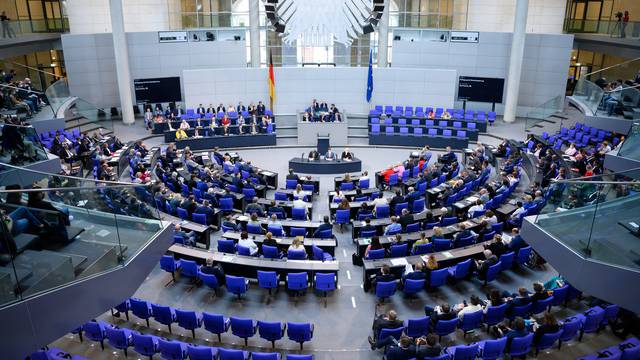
(323, 144)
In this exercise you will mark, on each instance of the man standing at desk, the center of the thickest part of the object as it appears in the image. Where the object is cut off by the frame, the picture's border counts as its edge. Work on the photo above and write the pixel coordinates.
(330, 155)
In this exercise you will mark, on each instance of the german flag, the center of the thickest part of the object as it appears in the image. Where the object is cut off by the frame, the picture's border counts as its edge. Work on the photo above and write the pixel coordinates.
(272, 82)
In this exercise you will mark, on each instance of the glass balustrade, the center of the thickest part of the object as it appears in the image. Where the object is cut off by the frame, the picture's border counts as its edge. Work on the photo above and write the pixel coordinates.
(630, 148)
(17, 28)
(596, 217)
(613, 28)
(20, 145)
(535, 119)
(57, 229)
(588, 93)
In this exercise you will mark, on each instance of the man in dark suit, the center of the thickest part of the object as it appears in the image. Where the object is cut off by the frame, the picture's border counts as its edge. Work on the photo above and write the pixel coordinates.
(483, 265)
(428, 347)
(402, 350)
(237, 181)
(412, 195)
(397, 199)
(204, 208)
(201, 110)
(292, 176)
(346, 154)
(385, 275)
(367, 226)
(274, 208)
(324, 226)
(464, 233)
(254, 207)
(405, 219)
(448, 157)
(444, 313)
(330, 155)
(221, 108)
(260, 108)
(240, 108)
(314, 155)
(385, 321)
(216, 271)
(189, 204)
(229, 223)
(517, 242)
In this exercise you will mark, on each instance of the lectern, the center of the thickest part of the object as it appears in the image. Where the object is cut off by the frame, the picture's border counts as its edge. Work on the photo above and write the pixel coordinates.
(323, 144)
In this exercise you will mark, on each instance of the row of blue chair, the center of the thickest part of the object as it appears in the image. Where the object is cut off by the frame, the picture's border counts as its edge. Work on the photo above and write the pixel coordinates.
(419, 111)
(215, 323)
(191, 114)
(626, 350)
(238, 285)
(391, 130)
(461, 270)
(149, 345)
(272, 252)
(429, 123)
(54, 354)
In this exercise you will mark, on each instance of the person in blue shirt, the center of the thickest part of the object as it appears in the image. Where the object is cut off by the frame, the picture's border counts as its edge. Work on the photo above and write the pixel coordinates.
(412, 196)
(326, 225)
(517, 242)
(518, 330)
(394, 227)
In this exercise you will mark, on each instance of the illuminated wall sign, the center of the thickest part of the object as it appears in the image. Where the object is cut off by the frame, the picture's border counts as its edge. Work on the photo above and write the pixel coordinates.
(465, 36)
(172, 36)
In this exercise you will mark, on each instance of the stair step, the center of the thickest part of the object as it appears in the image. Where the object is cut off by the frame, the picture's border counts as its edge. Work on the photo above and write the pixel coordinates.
(278, 136)
(358, 127)
(358, 136)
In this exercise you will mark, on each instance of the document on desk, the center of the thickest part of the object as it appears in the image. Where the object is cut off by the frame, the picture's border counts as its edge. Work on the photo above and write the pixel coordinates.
(472, 199)
(227, 258)
(399, 261)
(447, 254)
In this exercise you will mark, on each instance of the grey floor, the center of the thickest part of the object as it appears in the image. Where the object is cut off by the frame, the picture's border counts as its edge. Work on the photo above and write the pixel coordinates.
(342, 327)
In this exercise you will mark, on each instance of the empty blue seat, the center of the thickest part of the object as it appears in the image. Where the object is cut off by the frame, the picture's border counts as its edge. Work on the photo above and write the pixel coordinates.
(232, 354)
(141, 309)
(398, 250)
(237, 285)
(119, 338)
(412, 287)
(226, 246)
(215, 324)
(417, 327)
(145, 345)
(445, 327)
(386, 289)
(471, 321)
(376, 254)
(271, 331)
(268, 280)
(300, 332)
(173, 350)
(460, 270)
(196, 352)
(265, 356)
(165, 315)
(438, 278)
(243, 328)
(95, 331)
(189, 320)
(295, 254)
(521, 346)
(297, 282)
(547, 341)
(492, 349)
(461, 352)
(170, 265)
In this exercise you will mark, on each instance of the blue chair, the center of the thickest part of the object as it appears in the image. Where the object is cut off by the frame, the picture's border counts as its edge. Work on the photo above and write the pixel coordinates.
(386, 289)
(560, 295)
(591, 321)
(325, 282)
(243, 328)
(275, 230)
(363, 183)
(399, 250)
(492, 349)
(279, 196)
(265, 356)
(95, 331)
(446, 221)
(294, 254)
(445, 327)
(200, 219)
(412, 287)
(320, 255)
(165, 315)
(382, 211)
(438, 278)
(547, 341)
(170, 265)
(465, 241)
(270, 252)
(411, 228)
(183, 214)
(190, 269)
(270, 331)
(196, 352)
(421, 249)
(507, 260)
(215, 324)
(368, 233)
(226, 204)
(141, 309)
(237, 285)
(226, 246)
(542, 305)
(145, 345)
(396, 333)
(189, 320)
(294, 231)
(299, 357)
(119, 338)
(470, 322)
(343, 217)
(492, 272)
(231, 354)
(255, 229)
(376, 254)
(415, 328)
(520, 311)
(495, 315)
(172, 350)
(297, 282)
(211, 281)
(521, 346)
(463, 352)
(523, 255)
(441, 244)
(300, 332)
(291, 184)
(268, 280)
(418, 206)
(299, 213)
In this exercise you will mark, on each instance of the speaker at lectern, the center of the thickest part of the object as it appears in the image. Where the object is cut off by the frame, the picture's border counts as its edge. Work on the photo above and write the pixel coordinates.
(323, 144)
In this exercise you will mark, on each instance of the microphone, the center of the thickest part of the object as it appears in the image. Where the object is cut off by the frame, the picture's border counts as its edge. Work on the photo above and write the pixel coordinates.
(302, 156)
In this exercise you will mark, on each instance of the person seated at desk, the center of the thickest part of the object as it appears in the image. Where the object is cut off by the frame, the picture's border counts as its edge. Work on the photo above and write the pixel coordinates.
(422, 241)
(215, 270)
(335, 113)
(184, 125)
(344, 204)
(206, 209)
(274, 208)
(346, 154)
(240, 124)
(266, 120)
(188, 238)
(365, 210)
(314, 155)
(464, 233)
(440, 312)
(260, 108)
(479, 206)
(384, 276)
(228, 222)
(416, 274)
(189, 204)
(274, 223)
(497, 247)
(412, 195)
(181, 134)
(406, 218)
(394, 227)
(367, 226)
(255, 207)
(301, 204)
(428, 347)
(297, 244)
(517, 242)
(292, 176)
(306, 117)
(384, 321)
(330, 155)
(248, 243)
(448, 157)
(431, 114)
(326, 225)
(225, 122)
(484, 265)
(269, 240)
(445, 115)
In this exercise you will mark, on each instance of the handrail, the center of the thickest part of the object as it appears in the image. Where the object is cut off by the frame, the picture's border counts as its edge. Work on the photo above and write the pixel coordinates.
(610, 67)
(20, 89)
(106, 182)
(624, 88)
(586, 178)
(32, 68)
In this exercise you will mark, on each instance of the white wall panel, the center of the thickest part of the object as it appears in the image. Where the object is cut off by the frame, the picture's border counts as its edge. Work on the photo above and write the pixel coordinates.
(297, 87)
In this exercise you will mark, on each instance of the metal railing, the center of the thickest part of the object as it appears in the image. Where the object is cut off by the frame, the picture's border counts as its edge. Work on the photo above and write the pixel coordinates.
(16, 28)
(613, 28)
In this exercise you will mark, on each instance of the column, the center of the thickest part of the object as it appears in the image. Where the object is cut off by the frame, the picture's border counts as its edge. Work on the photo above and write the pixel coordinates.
(254, 32)
(123, 73)
(515, 60)
(383, 37)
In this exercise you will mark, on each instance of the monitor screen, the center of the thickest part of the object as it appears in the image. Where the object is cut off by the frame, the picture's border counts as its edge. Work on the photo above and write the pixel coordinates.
(480, 89)
(157, 90)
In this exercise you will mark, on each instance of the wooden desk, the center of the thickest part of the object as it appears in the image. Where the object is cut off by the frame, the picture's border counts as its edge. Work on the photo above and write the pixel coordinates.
(352, 194)
(286, 205)
(286, 223)
(203, 232)
(248, 266)
(444, 258)
(379, 224)
(328, 245)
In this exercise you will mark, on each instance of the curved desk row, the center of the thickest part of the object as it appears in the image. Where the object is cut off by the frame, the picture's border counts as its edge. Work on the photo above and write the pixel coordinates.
(419, 141)
(328, 245)
(248, 266)
(231, 141)
(325, 166)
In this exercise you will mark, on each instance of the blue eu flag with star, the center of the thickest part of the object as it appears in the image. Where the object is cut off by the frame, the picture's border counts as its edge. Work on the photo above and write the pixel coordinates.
(370, 77)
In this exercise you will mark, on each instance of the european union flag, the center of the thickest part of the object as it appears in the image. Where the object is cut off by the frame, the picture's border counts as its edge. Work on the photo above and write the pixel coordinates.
(370, 77)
